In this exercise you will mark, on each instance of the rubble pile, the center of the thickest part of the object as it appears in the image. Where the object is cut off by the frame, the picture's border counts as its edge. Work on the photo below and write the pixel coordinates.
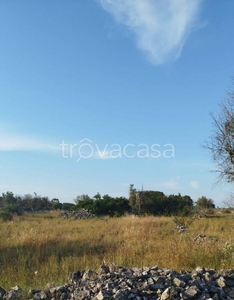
(77, 214)
(111, 281)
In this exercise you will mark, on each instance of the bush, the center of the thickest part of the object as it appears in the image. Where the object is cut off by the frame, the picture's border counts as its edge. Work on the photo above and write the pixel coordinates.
(184, 221)
(6, 215)
(226, 211)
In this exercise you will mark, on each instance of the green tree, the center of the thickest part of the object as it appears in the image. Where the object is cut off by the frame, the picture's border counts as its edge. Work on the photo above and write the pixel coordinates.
(204, 203)
(103, 206)
(179, 205)
(31, 203)
(9, 199)
(86, 204)
(45, 203)
(6, 215)
(68, 206)
(110, 206)
(187, 206)
(122, 206)
(11, 203)
(27, 202)
(153, 203)
(97, 196)
(56, 204)
(81, 198)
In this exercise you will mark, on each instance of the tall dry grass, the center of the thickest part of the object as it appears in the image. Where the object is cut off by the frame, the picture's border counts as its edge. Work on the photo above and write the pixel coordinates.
(43, 248)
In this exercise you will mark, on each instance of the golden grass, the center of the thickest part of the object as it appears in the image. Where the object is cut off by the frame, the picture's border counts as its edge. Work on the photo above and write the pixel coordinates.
(43, 248)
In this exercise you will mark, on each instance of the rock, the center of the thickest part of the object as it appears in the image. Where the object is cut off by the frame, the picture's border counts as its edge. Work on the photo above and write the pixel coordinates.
(77, 214)
(168, 293)
(200, 270)
(33, 292)
(229, 291)
(104, 295)
(75, 277)
(57, 291)
(221, 282)
(103, 270)
(40, 295)
(111, 281)
(192, 291)
(2, 292)
(90, 275)
(178, 282)
(215, 297)
(14, 293)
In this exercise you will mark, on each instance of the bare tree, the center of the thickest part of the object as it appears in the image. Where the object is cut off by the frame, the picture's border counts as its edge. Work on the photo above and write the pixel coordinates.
(221, 143)
(229, 201)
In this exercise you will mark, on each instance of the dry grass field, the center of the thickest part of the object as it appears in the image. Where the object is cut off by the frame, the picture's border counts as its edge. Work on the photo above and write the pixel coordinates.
(44, 248)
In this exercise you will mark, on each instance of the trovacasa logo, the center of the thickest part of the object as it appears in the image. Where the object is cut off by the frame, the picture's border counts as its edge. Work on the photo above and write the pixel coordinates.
(87, 149)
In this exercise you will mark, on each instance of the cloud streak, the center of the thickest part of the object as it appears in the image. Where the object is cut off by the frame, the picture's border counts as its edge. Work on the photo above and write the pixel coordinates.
(194, 184)
(160, 27)
(20, 142)
(172, 184)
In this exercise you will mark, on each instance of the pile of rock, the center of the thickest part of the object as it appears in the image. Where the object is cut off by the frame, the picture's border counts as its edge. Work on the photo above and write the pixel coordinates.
(114, 282)
(77, 214)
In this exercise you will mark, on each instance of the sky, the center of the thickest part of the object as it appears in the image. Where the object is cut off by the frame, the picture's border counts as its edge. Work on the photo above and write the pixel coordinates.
(96, 95)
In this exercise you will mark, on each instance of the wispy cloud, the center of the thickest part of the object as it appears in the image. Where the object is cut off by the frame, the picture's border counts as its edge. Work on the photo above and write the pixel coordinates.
(194, 184)
(21, 142)
(160, 26)
(172, 184)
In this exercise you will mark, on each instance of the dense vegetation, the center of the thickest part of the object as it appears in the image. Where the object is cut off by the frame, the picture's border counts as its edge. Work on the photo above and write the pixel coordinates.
(139, 203)
(11, 204)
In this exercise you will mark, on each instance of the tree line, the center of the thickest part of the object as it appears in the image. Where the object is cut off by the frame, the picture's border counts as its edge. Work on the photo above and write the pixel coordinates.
(138, 203)
(11, 204)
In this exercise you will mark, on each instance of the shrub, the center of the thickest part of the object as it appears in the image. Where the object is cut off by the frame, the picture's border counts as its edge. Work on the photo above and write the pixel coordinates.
(6, 215)
(184, 221)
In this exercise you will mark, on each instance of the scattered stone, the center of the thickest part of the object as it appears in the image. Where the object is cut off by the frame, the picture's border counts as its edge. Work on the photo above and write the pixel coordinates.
(181, 229)
(203, 237)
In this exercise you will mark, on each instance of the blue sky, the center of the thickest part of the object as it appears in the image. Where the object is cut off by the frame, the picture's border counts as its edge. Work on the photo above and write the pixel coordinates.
(98, 94)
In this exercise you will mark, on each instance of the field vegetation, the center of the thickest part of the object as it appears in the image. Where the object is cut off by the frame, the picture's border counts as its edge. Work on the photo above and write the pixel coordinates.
(36, 249)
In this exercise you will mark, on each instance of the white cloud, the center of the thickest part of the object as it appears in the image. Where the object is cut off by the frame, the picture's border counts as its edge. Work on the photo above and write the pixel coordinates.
(194, 184)
(160, 26)
(20, 142)
(172, 183)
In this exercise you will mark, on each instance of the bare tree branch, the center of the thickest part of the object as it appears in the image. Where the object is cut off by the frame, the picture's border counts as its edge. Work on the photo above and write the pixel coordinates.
(221, 143)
